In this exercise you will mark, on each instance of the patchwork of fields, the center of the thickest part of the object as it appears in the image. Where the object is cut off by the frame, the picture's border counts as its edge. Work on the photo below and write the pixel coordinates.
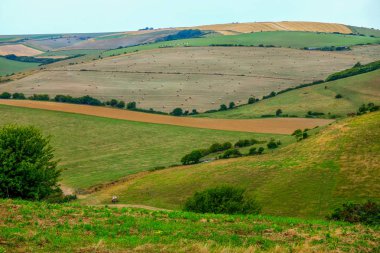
(200, 78)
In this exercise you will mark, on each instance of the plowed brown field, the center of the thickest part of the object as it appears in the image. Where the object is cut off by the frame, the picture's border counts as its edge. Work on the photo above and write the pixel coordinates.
(273, 125)
(228, 29)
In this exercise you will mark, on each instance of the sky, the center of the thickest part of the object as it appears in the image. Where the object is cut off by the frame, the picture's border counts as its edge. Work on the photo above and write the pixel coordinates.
(75, 16)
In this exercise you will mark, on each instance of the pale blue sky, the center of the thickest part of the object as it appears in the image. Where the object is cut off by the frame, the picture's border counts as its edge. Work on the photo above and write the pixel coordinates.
(69, 16)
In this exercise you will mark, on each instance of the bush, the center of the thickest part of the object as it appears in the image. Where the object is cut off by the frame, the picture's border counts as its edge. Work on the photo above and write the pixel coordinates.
(300, 135)
(252, 100)
(113, 102)
(5, 95)
(223, 107)
(278, 112)
(192, 158)
(27, 169)
(272, 144)
(131, 105)
(232, 105)
(356, 70)
(255, 151)
(121, 105)
(226, 145)
(177, 112)
(18, 96)
(230, 153)
(367, 213)
(338, 96)
(216, 147)
(245, 143)
(40, 97)
(224, 199)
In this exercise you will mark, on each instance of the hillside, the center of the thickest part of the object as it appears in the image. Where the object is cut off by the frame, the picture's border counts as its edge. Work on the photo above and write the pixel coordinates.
(190, 77)
(95, 150)
(356, 90)
(41, 227)
(305, 179)
(228, 29)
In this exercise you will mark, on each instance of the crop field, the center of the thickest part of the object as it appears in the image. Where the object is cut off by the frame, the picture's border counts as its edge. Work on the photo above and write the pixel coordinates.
(357, 90)
(279, 39)
(277, 126)
(200, 78)
(315, 175)
(228, 29)
(33, 226)
(8, 67)
(95, 150)
(19, 50)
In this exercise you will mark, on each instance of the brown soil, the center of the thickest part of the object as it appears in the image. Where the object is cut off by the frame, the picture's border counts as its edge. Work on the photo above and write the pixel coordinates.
(272, 125)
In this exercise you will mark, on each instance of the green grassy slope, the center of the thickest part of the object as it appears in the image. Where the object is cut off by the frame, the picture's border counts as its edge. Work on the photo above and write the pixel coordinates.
(97, 150)
(365, 31)
(72, 52)
(355, 90)
(279, 39)
(9, 66)
(40, 227)
(304, 179)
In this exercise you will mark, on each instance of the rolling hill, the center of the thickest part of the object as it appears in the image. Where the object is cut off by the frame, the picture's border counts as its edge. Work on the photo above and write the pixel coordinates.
(305, 179)
(356, 90)
(95, 150)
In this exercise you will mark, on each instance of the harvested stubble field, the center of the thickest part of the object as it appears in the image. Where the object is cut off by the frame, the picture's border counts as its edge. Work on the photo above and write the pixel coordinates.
(201, 77)
(274, 125)
(19, 50)
(234, 28)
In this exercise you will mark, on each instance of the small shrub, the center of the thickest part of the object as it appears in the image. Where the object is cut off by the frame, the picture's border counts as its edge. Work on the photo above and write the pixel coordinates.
(121, 105)
(278, 112)
(367, 213)
(192, 158)
(338, 96)
(131, 105)
(232, 105)
(18, 96)
(5, 95)
(223, 107)
(272, 144)
(252, 100)
(177, 112)
(40, 97)
(230, 153)
(224, 199)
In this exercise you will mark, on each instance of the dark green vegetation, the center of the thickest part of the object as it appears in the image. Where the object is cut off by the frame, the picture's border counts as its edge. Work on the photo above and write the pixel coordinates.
(41, 61)
(223, 199)
(97, 150)
(8, 67)
(356, 70)
(184, 34)
(277, 39)
(27, 166)
(319, 98)
(309, 178)
(28, 226)
(367, 213)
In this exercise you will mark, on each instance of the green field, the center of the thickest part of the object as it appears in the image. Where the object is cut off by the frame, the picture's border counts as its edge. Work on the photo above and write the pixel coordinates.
(8, 67)
(365, 31)
(356, 90)
(40, 227)
(304, 179)
(278, 39)
(96, 150)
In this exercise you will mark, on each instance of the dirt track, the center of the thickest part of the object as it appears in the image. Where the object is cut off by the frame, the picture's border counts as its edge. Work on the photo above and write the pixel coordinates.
(272, 125)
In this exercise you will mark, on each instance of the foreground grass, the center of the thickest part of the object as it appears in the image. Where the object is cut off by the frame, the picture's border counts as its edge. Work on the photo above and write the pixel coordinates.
(356, 90)
(96, 150)
(278, 39)
(8, 67)
(40, 227)
(306, 179)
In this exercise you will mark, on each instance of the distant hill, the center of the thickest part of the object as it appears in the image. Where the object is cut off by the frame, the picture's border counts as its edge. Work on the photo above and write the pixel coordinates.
(229, 29)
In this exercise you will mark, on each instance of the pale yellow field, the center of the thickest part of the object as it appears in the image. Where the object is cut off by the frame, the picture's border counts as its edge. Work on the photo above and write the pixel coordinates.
(19, 50)
(200, 78)
(229, 29)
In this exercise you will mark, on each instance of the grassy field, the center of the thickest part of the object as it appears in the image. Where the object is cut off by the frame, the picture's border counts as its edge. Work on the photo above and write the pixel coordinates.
(191, 77)
(9, 66)
(356, 91)
(96, 150)
(40, 227)
(366, 31)
(304, 179)
(278, 39)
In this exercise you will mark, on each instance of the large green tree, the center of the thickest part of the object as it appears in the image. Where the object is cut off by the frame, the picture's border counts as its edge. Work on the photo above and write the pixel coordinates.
(27, 166)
